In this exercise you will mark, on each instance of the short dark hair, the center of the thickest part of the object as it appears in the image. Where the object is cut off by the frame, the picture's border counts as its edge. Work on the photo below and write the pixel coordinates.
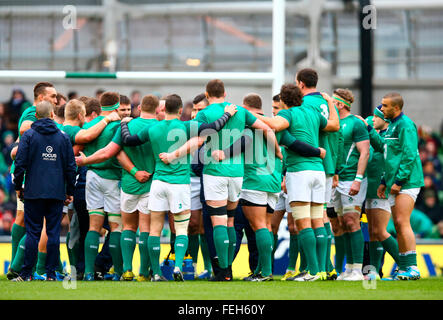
(109, 98)
(149, 103)
(72, 95)
(308, 76)
(60, 111)
(215, 88)
(276, 98)
(40, 88)
(173, 103)
(99, 91)
(124, 100)
(199, 98)
(92, 105)
(395, 98)
(291, 95)
(253, 100)
(60, 96)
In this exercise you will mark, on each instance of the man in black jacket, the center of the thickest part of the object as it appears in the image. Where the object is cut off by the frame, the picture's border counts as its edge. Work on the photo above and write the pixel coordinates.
(45, 154)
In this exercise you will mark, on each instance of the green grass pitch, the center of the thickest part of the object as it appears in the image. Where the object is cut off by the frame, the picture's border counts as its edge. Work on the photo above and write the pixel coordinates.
(423, 289)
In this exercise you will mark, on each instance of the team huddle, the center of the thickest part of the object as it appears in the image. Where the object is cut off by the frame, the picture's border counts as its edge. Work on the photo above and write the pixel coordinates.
(314, 160)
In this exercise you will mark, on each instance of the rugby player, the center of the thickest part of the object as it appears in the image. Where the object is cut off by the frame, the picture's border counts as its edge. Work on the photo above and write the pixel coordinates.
(350, 193)
(305, 178)
(402, 179)
(222, 181)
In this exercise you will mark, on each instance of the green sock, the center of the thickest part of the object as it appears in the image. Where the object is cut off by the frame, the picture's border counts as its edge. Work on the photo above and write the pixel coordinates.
(375, 254)
(92, 242)
(145, 262)
(232, 244)
(293, 251)
(17, 233)
(321, 238)
(303, 262)
(391, 247)
(193, 246)
(308, 242)
(264, 246)
(329, 265)
(339, 252)
(221, 242)
(19, 257)
(181, 246)
(358, 246)
(411, 259)
(41, 263)
(127, 244)
(407, 259)
(154, 254)
(116, 252)
(348, 248)
(274, 246)
(205, 253)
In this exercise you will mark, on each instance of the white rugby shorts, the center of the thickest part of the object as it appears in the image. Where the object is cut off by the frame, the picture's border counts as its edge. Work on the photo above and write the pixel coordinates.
(195, 193)
(342, 199)
(378, 204)
(282, 203)
(133, 202)
(260, 197)
(413, 193)
(102, 193)
(306, 186)
(169, 197)
(222, 188)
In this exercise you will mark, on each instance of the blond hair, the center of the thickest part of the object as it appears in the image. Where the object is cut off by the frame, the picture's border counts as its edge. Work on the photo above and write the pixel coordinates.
(73, 108)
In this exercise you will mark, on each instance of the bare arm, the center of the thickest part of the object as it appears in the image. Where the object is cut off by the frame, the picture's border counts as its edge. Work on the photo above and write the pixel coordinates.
(363, 148)
(126, 163)
(189, 147)
(88, 135)
(333, 120)
(25, 126)
(99, 156)
(277, 123)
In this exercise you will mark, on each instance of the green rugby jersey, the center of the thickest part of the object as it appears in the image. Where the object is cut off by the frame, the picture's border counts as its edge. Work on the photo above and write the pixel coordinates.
(375, 168)
(231, 132)
(326, 139)
(305, 124)
(71, 132)
(400, 151)
(141, 156)
(263, 170)
(109, 169)
(27, 115)
(353, 131)
(168, 136)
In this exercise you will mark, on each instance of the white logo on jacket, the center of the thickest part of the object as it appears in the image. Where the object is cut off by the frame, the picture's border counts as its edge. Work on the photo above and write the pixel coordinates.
(49, 155)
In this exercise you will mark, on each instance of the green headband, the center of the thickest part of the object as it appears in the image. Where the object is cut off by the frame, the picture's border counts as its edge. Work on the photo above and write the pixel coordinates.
(111, 108)
(343, 101)
(380, 114)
